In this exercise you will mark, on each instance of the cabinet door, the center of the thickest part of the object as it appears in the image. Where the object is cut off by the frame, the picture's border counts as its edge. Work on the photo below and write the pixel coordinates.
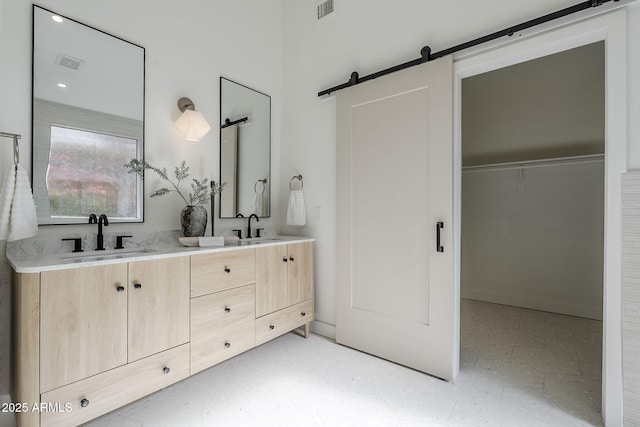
(158, 305)
(83, 323)
(271, 279)
(300, 276)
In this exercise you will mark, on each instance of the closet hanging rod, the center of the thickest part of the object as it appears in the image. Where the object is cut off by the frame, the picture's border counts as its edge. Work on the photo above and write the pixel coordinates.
(533, 163)
(426, 55)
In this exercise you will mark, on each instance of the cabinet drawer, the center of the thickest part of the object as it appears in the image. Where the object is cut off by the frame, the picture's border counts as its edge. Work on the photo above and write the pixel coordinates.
(109, 390)
(219, 271)
(275, 324)
(222, 326)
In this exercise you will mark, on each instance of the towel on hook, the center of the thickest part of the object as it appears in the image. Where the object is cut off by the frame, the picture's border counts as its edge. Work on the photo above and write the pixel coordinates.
(17, 210)
(295, 212)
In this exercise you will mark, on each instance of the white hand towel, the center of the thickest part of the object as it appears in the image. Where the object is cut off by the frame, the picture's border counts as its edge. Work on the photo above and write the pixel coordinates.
(295, 212)
(258, 204)
(17, 210)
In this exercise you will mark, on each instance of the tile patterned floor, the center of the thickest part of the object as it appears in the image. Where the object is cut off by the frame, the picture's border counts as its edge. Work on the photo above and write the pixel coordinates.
(519, 368)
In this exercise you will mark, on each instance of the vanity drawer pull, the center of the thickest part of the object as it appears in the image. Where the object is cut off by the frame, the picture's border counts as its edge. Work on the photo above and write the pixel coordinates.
(227, 309)
(227, 269)
(166, 370)
(291, 259)
(285, 259)
(120, 288)
(227, 344)
(303, 314)
(137, 285)
(272, 327)
(84, 403)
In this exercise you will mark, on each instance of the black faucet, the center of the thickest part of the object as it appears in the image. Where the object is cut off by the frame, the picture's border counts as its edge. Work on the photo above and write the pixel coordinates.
(249, 224)
(103, 220)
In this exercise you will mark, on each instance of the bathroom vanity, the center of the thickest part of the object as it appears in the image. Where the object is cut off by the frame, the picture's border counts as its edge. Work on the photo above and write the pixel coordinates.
(91, 335)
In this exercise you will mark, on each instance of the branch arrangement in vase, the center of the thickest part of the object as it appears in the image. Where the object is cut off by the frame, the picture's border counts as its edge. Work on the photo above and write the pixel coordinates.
(201, 191)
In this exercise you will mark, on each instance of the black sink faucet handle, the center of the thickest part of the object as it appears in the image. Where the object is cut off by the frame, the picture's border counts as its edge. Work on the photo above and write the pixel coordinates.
(238, 233)
(77, 243)
(119, 240)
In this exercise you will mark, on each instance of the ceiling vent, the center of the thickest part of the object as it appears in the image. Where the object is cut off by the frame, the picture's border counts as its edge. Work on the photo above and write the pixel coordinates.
(68, 61)
(325, 9)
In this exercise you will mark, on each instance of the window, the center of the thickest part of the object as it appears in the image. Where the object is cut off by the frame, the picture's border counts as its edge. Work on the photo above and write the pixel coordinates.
(86, 174)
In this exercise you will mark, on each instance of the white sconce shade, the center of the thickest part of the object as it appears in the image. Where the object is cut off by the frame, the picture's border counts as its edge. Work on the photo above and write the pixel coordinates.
(191, 124)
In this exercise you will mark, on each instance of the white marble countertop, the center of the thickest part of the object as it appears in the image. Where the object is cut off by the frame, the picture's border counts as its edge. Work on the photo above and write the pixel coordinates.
(60, 261)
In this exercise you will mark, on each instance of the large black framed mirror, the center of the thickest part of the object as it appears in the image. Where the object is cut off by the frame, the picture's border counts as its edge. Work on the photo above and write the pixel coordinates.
(245, 150)
(88, 121)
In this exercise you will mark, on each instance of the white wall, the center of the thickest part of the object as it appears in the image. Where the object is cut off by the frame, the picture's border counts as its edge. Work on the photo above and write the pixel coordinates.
(533, 237)
(547, 107)
(189, 45)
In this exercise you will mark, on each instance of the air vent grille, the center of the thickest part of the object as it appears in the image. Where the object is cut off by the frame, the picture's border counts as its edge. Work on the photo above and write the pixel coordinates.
(325, 9)
(68, 61)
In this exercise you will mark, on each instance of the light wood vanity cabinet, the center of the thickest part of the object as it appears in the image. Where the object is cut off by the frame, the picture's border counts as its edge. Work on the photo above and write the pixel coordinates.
(102, 336)
(76, 330)
(284, 289)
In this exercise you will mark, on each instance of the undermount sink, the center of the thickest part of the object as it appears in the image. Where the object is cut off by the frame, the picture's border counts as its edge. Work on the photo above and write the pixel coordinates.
(106, 255)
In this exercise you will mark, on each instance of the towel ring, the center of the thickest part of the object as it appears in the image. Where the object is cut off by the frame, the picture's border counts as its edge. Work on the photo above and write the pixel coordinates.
(264, 185)
(299, 178)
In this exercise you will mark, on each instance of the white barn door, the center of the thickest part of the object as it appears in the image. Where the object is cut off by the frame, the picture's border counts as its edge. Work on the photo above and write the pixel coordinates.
(395, 290)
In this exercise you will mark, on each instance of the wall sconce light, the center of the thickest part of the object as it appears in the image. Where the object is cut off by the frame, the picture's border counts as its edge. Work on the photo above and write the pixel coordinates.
(191, 124)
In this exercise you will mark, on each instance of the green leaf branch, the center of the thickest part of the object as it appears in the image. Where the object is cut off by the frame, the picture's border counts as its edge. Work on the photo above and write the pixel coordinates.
(201, 191)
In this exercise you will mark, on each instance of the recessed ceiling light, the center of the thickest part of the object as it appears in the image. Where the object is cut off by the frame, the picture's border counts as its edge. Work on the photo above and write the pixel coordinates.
(56, 18)
(62, 85)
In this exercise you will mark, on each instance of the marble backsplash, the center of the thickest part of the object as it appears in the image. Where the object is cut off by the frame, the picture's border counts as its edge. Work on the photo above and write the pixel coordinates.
(37, 246)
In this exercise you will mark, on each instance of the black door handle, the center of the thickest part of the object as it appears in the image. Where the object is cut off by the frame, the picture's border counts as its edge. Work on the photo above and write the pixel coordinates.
(439, 226)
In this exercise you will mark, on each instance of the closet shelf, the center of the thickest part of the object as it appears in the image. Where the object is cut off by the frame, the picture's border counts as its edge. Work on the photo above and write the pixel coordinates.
(535, 163)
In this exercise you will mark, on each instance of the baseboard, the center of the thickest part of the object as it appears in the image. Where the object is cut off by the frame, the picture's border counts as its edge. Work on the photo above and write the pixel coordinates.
(324, 329)
(535, 304)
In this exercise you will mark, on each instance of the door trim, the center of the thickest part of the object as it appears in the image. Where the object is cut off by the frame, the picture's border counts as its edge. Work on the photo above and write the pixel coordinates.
(612, 29)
